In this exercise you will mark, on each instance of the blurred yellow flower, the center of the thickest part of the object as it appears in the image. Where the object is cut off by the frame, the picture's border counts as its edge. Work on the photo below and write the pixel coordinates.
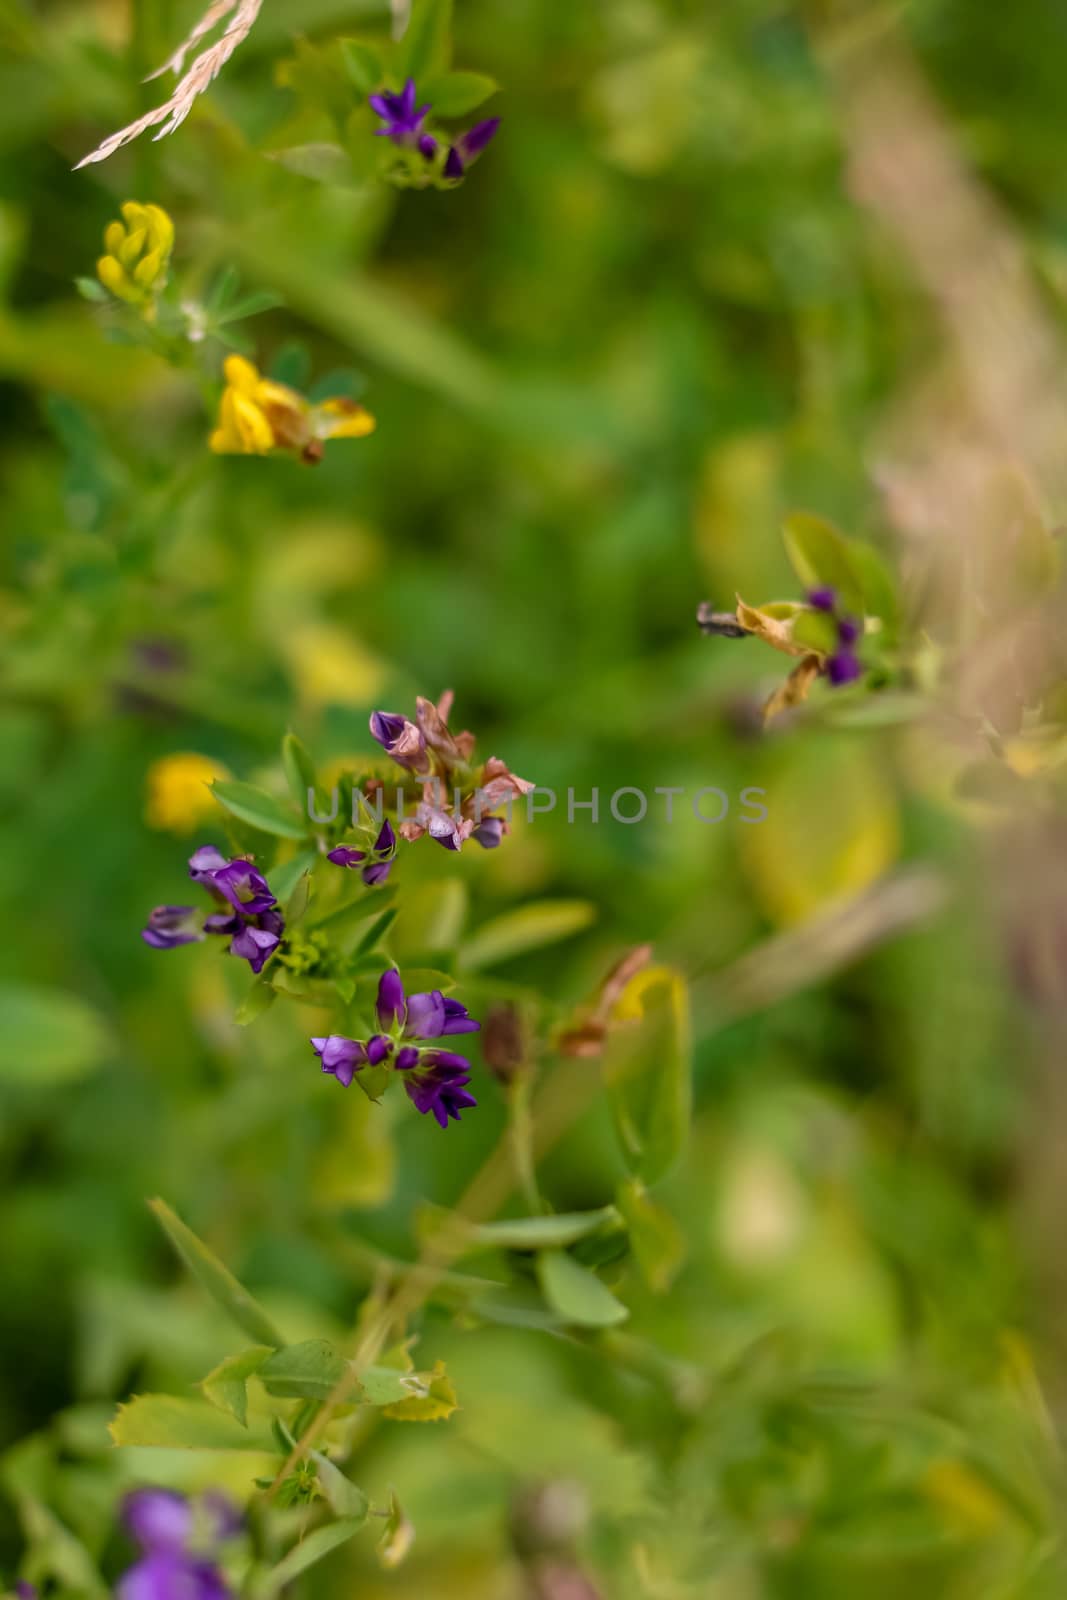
(257, 416)
(177, 796)
(330, 667)
(138, 249)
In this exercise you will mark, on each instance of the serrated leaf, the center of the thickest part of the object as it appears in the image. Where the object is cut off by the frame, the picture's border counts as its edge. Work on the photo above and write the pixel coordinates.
(820, 556)
(576, 1293)
(344, 1498)
(426, 47)
(171, 1422)
(259, 999)
(310, 1550)
(307, 1371)
(227, 1386)
(432, 1397)
(259, 809)
(531, 927)
(217, 1279)
(48, 1036)
(656, 1238)
(363, 65)
(457, 93)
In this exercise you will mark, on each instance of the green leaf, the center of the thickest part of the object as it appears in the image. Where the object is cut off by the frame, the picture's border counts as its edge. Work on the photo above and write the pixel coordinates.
(48, 1036)
(878, 582)
(259, 809)
(398, 1537)
(259, 999)
(376, 932)
(426, 47)
(217, 1279)
(657, 1240)
(524, 1233)
(342, 1496)
(819, 555)
(304, 1555)
(576, 1293)
(457, 93)
(170, 1422)
(647, 1070)
(322, 162)
(533, 926)
(91, 289)
(363, 65)
(285, 879)
(227, 1386)
(816, 630)
(432, 918)
(307, 1371)
(297, 903)
(299, 771)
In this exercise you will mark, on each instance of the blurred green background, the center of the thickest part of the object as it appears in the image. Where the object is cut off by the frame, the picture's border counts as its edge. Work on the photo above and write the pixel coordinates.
(651, 322)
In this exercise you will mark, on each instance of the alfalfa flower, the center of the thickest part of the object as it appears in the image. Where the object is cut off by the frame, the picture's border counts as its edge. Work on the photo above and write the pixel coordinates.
(457, 795)
(428, 156)
(843, 665)
(435, 1080)
(375, 864)
(179, 1541)
(247, 912)
(178, 797)
(137, 256)
(258, 416)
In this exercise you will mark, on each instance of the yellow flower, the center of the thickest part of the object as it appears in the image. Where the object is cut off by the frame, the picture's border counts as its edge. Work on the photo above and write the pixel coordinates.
(257, 416)
(177, 797)
(138, 255)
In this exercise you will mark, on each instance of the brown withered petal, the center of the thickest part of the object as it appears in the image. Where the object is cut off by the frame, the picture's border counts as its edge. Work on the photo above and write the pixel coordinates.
(503, 1044)
(435, 729)
(794, 690)
(620, 975)
(586, 1038)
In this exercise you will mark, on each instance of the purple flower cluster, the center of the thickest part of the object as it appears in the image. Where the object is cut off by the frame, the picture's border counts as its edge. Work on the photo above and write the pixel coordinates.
(248, 913)
(844, 665)
(179, 1541)
(405, 124)
(376, 864)
(435, 1080)
(455, 798)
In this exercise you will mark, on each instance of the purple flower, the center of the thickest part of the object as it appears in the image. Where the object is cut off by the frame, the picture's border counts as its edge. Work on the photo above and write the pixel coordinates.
(435, 1080)
(438, 1084)
(25, 1591)
(469, 146)
(403, 123)
(824, 599)
(843, 667)
(252, 921)
(380, 862)
(489, 833)
(340, 1056)
(848, 631)
(165, 1526)
(170, 926)
(159, 1519)
(400, 739)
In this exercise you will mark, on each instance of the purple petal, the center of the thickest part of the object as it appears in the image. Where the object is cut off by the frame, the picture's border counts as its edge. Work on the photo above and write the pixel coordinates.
(848, 631)
(204, 862)
(159, 1519)
(222, 922)
(823, 599)
(386, 839)
(454, 167)
(406, 99)
(390, 998)
(843, 668)
(168, 1575)
(474, 141)
(378, 1048)
(343, 857)
(426, 1015)
(428, 146)
(171, 926)
(489, 833)
(376, 874)
(254, 945)
(457, 1019)
(406, 1058)
(340, 1056)
(246, 889)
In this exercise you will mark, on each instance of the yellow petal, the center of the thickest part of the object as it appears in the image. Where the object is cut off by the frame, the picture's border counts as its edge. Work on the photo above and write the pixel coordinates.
(134, 213)
(253, 429)
(148, 269)
(177, 795)
(342, 419)
(113, 276)
(160, 228)
(114, 238)
(132, 247)
(241, 374)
